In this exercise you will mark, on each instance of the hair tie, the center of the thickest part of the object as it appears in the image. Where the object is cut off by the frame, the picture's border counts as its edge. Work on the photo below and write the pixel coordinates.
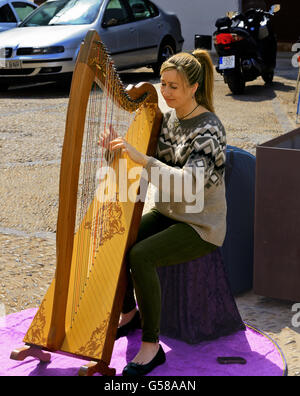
(197, 59)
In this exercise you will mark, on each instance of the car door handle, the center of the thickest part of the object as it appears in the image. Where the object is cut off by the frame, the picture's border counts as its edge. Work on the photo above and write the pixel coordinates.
(132, 30)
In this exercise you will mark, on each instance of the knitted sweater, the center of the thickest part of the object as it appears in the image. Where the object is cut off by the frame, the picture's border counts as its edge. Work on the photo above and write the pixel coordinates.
(186, 147)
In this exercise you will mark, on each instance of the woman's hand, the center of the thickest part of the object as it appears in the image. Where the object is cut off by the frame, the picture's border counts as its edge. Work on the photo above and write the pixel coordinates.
(135, 155)
(107, 136)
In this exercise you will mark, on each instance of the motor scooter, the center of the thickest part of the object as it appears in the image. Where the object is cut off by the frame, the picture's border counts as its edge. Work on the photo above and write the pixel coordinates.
(246, 46)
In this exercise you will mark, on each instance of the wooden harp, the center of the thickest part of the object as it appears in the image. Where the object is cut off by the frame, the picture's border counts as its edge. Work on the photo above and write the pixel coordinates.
(79, 314)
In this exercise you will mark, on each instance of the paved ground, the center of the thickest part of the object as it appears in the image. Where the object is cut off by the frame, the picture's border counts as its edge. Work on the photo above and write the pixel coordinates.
(32, 124)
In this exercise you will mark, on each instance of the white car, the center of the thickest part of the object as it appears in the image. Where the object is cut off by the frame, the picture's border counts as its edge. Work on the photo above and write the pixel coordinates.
(45, 45)
(13, 12)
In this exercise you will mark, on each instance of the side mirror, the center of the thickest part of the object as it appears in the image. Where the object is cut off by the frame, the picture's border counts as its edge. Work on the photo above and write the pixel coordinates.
(275, 8)
(111, 22)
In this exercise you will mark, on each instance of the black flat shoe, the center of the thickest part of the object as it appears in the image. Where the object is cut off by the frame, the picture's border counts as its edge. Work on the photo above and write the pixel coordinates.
(142, 369)
(134, 324)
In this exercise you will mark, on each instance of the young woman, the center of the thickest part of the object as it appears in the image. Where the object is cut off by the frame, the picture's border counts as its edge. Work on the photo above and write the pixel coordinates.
(192, 138)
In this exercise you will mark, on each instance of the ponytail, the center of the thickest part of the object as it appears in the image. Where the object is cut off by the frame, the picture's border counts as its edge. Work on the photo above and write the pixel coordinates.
(204, 93)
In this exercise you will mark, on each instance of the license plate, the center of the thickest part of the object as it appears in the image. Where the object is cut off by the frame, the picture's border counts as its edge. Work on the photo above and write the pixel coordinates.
(13, 64)
(227, 62)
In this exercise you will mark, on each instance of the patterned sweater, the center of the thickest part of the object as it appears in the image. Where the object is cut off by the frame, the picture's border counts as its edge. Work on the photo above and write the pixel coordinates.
(186, 147)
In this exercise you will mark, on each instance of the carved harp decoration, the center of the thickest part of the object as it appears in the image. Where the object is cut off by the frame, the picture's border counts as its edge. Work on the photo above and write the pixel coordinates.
(80, 312)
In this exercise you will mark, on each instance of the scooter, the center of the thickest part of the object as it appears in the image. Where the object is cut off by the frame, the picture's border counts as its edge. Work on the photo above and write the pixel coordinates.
(247, 47)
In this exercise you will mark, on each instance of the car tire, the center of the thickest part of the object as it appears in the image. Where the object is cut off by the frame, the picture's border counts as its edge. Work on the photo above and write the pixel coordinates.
(3, 87)
(268, 77)
(64, 83)
(167, 49)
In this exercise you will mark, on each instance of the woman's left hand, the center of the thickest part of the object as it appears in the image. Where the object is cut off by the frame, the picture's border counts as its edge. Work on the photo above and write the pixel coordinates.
(126, 147)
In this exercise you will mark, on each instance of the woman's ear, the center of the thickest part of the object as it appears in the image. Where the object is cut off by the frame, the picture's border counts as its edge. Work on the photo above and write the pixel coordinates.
(195, 87)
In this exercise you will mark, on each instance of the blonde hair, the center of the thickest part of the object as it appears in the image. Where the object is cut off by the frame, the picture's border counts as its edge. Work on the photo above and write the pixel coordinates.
(195, 68)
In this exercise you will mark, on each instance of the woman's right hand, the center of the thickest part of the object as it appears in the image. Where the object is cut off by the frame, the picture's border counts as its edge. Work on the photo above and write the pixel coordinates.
(107, 136)
(134, 154)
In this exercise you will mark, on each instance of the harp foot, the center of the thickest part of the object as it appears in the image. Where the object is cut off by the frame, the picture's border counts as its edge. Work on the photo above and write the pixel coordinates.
(92, 368)
(22, 353)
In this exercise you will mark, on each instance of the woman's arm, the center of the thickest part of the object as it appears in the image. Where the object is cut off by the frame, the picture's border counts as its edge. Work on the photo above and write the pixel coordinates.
(135, 155)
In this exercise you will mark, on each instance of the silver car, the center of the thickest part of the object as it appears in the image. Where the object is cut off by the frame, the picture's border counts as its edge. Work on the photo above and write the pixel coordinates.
(12, 12)
(45, 46)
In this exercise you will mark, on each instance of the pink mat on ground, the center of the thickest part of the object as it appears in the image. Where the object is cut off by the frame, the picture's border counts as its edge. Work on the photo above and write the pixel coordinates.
(263, 356)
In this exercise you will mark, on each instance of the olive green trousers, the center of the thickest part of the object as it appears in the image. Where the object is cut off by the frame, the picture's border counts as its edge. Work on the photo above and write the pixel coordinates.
(161, 242)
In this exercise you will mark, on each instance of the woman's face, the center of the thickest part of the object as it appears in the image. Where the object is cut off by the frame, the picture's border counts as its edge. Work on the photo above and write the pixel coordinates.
(175, 90)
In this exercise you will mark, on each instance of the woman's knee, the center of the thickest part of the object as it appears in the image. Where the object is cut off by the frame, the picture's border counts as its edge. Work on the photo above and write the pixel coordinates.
(137, 259)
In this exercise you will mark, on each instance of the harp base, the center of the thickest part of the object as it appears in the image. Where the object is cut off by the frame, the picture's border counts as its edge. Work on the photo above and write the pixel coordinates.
(87, 370)
(92, 368)
(22, 353)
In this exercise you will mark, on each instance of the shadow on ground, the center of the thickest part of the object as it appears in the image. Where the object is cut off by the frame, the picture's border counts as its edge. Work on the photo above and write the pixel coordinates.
(258, 92)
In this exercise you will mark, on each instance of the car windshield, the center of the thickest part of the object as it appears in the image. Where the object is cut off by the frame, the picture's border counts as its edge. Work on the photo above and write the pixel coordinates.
(64, 12)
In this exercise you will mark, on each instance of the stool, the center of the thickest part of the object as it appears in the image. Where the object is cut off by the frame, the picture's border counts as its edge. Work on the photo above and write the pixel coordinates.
(197, 302)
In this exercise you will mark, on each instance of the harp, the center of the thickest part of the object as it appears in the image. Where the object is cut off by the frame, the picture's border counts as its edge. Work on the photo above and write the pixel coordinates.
(95, 228)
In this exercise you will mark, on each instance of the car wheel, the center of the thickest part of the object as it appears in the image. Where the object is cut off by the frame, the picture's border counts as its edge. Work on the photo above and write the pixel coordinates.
(3, 87)
(64, 83)
(166, 51)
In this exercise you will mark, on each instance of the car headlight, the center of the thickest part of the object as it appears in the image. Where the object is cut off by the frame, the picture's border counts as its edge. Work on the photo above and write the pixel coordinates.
(41, 51)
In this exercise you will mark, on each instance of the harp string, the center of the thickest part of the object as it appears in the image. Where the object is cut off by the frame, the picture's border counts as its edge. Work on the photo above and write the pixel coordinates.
(88, 191)
(108, 115)
(110, 119)
(86, 187)
(93, 130)
(98, 214)
(104, 115)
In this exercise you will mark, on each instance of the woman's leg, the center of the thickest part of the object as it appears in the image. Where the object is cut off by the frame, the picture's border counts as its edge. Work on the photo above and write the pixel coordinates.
(151, 223)
(174, 245)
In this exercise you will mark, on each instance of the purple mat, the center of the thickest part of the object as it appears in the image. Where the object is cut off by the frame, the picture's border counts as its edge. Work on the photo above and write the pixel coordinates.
(263, 356)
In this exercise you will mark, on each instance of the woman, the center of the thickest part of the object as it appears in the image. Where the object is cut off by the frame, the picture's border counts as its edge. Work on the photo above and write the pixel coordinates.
(192, 138)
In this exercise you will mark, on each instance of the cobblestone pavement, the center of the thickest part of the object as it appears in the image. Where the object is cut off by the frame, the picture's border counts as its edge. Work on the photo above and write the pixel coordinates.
(32, 122)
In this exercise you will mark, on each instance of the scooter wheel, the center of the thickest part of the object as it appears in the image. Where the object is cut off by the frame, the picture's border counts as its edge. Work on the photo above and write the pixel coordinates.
(236, 84)
(268, 77)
